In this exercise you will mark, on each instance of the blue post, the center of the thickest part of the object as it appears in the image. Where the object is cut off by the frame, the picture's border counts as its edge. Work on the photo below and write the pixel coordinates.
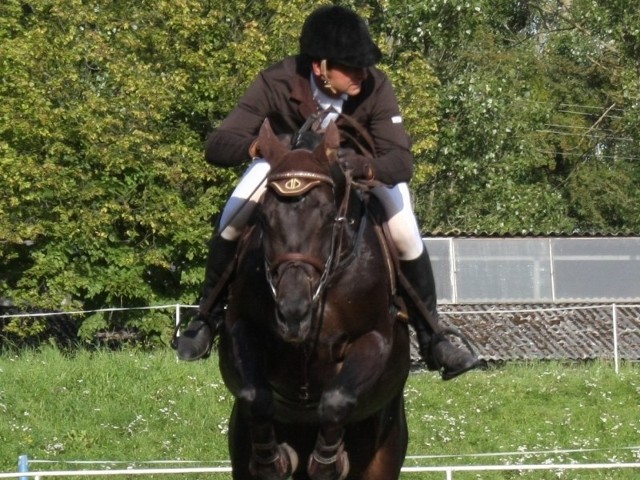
(23, 465)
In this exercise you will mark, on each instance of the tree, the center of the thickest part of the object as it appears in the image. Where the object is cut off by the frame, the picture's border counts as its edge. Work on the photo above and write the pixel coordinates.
(106, 197)
(523, 114)
(510, 142)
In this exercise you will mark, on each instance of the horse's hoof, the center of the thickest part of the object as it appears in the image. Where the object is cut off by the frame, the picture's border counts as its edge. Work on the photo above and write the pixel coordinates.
(335, 467)
(291, 455)
(279, 466)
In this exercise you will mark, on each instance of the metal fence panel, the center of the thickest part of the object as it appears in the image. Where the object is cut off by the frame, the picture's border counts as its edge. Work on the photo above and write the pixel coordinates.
(596, 269)
(440, 254)
(499, 269)
(536, 270)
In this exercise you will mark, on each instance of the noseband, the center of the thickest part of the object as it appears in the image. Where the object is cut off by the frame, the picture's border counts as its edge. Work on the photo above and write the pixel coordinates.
(295, 184)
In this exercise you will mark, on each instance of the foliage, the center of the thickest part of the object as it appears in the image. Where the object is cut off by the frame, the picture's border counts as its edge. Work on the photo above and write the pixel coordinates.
(106, 198)
(524, 117)
(538, 111)
(106, 195)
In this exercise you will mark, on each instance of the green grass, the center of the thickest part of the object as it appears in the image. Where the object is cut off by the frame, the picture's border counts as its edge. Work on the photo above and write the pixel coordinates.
(140, 407)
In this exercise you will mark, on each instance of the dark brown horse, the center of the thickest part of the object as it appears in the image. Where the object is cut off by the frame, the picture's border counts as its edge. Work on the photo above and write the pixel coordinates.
(311, 348)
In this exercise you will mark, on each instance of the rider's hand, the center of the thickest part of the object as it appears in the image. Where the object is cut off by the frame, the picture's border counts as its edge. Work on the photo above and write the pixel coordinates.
(359, 165)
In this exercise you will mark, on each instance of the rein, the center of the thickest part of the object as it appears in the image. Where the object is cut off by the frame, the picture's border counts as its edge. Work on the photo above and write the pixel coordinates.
(370, 150)
(313, 122)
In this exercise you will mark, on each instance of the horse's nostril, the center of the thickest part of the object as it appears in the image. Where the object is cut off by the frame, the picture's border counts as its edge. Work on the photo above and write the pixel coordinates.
(294, 310)
(293, 330)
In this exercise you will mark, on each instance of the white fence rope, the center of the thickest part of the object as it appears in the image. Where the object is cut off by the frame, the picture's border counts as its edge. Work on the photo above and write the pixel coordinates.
(177, 318)
(120, 472)
(178, 306)
(447, 470)
(504, 454)
(24, 462)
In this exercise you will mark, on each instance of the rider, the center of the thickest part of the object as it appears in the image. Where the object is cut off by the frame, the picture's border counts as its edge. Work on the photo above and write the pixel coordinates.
(334, 73)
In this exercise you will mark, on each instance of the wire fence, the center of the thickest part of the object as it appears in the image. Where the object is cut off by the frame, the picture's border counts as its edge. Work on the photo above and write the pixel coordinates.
(502, 332)
(550, 332)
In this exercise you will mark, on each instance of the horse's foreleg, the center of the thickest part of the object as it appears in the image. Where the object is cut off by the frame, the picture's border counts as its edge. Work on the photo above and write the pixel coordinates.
(249, 378)
(361, 368)
(269, 460)
(329, 460)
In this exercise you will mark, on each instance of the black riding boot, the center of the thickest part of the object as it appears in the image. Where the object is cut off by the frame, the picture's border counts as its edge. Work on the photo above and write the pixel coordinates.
(436, 350)
(196, 340)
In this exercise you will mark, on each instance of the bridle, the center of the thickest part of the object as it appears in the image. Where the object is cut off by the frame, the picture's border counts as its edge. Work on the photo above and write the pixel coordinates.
(297, 183)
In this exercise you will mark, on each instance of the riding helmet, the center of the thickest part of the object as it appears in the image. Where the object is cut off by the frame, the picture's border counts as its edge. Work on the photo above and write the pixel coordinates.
(338, 35)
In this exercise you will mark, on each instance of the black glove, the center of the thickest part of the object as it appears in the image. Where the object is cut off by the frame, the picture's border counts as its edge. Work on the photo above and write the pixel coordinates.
(359, 165)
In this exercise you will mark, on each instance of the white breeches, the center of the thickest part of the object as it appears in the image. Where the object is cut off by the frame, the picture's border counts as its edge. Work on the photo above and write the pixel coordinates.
(395, 200)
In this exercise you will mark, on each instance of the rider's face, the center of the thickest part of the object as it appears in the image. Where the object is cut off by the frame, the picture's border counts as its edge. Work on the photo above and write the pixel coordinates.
(343, 79)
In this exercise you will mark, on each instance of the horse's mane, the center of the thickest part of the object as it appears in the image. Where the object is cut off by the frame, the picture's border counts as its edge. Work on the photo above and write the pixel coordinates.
(307, 140)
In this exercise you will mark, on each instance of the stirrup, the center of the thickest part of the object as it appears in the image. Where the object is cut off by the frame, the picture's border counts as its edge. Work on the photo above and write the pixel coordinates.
(177, 331)
(471, 363)
(196, 342)
(456, 333)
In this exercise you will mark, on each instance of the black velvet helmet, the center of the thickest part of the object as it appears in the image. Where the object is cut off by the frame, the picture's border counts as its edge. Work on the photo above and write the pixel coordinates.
(338, 35)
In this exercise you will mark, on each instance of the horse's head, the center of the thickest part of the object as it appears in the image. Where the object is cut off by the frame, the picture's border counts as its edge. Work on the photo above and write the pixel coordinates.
(297, 218)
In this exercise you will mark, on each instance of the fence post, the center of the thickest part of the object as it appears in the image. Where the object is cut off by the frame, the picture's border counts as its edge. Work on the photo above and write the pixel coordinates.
(616, 355)
(23, 466)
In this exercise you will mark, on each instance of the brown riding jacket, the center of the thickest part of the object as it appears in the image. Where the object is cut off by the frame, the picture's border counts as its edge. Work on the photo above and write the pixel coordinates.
(282, 93)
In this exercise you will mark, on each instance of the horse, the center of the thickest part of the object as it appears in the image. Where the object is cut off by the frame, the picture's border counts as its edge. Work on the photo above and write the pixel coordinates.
(312, 347)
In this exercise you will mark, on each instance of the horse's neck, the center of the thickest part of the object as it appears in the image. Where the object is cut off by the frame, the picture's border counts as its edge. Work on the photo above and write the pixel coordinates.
(372, 213)
(373, 208)
(362, 209)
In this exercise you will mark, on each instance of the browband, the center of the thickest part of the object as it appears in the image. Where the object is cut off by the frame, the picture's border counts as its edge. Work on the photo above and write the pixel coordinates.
(296, 183)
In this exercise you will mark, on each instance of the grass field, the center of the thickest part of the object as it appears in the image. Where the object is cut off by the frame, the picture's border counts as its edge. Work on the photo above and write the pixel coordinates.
(136, 407)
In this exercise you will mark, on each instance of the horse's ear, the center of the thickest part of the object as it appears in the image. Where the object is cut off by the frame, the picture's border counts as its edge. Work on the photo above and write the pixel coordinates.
(269, 145)
(331, 142)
